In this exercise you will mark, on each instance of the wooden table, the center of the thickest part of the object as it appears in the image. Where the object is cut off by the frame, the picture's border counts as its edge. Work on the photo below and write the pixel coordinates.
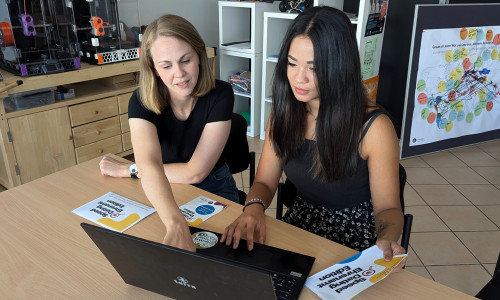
(46, 254)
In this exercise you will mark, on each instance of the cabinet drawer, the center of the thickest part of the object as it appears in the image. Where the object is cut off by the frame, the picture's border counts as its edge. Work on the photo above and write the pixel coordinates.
(124, 123)
(96, 131)
(110, 145)
(123, 102)
(127, 141)
(93, 111)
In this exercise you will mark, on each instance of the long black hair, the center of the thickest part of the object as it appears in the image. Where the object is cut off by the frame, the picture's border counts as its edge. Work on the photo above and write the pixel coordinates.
(343, 101)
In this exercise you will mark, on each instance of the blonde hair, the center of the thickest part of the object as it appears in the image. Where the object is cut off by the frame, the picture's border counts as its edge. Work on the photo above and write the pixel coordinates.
(153, 92)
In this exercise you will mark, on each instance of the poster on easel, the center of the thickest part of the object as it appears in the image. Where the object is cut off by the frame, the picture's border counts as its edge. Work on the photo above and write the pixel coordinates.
(453, 94)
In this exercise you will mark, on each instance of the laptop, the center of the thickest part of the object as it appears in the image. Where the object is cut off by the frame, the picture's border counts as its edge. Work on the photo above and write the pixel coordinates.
(215, 271)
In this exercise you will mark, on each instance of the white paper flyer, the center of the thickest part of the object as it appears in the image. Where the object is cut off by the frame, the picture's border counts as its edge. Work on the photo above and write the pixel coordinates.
(200, 209)
(353, 275)
(114, 212)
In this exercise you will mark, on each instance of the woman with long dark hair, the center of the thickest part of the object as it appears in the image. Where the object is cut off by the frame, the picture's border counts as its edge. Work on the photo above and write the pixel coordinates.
(339, 151)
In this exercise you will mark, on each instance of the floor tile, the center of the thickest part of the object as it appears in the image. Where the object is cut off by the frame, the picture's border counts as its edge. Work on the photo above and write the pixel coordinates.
(490, 147)
(255, 144)
(273, 202)
(470, 148)
(469, 279)
(435, 194)
(464, 218)
(411, 197)
(484, 245)
(424, 176)
(239, 180)
(492, 212)
(421, 271)
(440, 248)
(480, 194)
(271, 212)
(490, 268)
(425, 220)
(412, 260)
(413, 162)
(477, 159)
(443, 159)
(463, 175)
(246, 178)
(492, 174)
(495, 156)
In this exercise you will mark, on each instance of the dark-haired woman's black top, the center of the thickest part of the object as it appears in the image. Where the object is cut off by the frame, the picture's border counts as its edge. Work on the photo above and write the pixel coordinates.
(345, 193)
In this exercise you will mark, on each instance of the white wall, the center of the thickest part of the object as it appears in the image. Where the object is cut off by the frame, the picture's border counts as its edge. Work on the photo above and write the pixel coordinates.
(203, 14)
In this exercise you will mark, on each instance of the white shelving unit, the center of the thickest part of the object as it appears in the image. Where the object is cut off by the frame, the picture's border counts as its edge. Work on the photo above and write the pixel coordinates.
(240, 44)
(275, 26)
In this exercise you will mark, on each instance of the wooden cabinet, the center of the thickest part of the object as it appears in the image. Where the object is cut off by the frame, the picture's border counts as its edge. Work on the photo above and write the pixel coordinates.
(39, 141)
(42, 142)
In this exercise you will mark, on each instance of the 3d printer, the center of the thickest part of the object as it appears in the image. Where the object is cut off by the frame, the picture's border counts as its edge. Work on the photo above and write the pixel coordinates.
(38, 37)
(103, 37)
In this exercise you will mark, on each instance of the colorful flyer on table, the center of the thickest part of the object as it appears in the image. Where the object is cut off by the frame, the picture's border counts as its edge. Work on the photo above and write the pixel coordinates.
(200, 209)
(114, 212)
(353, 275)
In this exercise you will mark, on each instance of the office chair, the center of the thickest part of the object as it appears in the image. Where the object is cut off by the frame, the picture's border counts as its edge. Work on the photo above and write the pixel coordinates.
(237, 153)
(287, 193)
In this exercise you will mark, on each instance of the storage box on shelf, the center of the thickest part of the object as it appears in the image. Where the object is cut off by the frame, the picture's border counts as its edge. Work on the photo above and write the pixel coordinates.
(39, 141)
(275, 27)
(240, 38)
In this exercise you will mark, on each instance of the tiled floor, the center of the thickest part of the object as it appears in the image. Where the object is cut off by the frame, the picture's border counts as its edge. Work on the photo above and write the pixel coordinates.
(454, 197)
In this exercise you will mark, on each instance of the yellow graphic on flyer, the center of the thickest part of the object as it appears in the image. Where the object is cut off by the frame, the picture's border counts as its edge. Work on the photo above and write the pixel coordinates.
(120, 225)
(389, 266)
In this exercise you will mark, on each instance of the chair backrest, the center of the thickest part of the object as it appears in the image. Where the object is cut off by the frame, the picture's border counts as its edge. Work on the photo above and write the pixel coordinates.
(237, 152)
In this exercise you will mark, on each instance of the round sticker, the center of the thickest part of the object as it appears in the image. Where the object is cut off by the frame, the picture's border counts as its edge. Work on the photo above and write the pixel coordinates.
(204, 239)
(205, 209)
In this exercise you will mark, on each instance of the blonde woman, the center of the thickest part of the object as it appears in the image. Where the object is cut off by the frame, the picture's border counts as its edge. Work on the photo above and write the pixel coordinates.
(179, 122)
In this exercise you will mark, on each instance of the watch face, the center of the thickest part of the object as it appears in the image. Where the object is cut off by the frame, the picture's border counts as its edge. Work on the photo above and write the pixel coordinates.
(133, 169)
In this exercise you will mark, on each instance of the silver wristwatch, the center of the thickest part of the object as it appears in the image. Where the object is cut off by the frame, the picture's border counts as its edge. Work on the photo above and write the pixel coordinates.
(133, 170)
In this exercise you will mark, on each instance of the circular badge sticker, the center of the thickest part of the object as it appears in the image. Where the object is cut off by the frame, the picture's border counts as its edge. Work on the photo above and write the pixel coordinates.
(204, 239)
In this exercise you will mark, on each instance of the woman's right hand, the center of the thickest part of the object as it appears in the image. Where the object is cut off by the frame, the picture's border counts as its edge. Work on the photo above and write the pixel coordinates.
(250, 221)
(114, 168)
(178, 236)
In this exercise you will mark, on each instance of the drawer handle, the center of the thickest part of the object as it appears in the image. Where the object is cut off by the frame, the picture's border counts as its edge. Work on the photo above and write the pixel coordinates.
(100, 151)
(96, 112)
(98, 132)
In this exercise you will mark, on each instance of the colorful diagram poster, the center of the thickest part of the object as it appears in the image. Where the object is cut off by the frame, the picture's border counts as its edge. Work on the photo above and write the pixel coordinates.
(353, 275)
(200, 209)
(457, 86)
(114, 212)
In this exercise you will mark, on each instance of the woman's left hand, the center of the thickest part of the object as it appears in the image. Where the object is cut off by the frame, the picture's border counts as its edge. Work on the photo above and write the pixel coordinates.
(114, 168)
(391, 248)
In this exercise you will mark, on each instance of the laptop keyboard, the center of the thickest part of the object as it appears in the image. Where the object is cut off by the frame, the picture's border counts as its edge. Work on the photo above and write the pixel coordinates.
(283, 285)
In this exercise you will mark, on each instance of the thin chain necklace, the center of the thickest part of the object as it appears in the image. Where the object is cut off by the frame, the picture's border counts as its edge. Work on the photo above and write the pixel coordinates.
(315, 118)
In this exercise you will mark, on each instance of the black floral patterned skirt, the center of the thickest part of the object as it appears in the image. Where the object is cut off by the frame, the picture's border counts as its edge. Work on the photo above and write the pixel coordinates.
(353, 227)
